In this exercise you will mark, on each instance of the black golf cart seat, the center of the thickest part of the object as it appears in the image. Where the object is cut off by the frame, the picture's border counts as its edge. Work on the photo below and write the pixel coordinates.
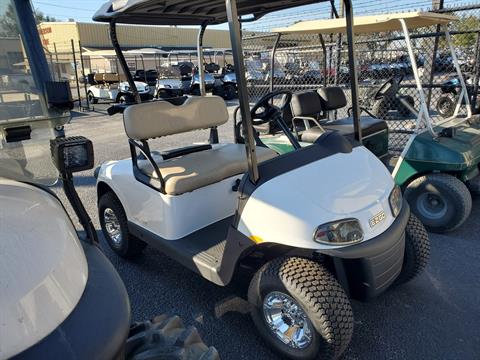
(187, 169)
(317, 104)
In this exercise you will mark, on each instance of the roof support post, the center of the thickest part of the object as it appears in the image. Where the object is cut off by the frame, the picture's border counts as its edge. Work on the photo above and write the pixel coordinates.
(464, 92)
(123, 62)
(272, 61)
(236, 40)
(201, 68)
(423, 112)
(352, 62)
(324, 50)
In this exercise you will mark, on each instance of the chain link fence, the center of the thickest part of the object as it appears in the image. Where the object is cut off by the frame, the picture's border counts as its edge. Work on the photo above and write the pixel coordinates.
(387, 87)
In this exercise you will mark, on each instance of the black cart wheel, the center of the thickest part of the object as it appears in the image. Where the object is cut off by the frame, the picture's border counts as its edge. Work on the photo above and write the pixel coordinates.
(91, 98)
(441, 201)
(229, 91)
(163, 94)
(417, 250)
(195, 91)
(165, 337)
(300, 309)
(113, 221)
(445, 106)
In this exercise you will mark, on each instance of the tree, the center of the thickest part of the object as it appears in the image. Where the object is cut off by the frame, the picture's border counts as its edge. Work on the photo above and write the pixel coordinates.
(8, 22)
(466, 23)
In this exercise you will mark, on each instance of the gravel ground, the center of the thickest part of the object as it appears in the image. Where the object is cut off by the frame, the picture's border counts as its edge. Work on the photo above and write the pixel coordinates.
(435, 316)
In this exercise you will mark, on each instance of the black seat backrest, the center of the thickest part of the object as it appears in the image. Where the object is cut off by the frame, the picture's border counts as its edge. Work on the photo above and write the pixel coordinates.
(332, 98)
(306, 104)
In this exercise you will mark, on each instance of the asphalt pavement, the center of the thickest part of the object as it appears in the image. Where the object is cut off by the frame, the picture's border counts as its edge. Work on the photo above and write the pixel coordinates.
(436, 316)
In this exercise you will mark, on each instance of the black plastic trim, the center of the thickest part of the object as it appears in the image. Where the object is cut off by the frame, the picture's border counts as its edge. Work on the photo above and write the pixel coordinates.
(98, 326)
(221, 243)
(170, 154)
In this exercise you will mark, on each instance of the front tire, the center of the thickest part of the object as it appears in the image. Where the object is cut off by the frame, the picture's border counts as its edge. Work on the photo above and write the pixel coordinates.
(91, 98)
(441, 201)
(229, 92)
(445, 106)
(114, 224)
(302, 295)
(417, 250)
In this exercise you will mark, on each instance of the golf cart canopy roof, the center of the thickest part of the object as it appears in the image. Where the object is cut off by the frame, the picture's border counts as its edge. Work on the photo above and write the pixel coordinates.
(369, 24)
(186, 12)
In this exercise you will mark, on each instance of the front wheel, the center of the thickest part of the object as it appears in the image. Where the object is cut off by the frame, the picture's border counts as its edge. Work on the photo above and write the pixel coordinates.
(300, 309)
(417, 250)
(229, 91)
(124, 99)
(445, 106)
(91, 98)
(441, 201)
(114, 224)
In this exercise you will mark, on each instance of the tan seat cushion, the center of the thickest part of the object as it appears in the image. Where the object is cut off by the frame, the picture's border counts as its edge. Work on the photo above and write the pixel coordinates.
(187, 173)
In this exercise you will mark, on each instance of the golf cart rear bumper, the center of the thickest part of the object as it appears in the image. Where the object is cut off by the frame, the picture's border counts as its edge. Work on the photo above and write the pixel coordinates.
(98, 326)
(369, 268)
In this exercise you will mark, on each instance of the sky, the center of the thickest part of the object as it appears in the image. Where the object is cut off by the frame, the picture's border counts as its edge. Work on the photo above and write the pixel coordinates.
(83, 10)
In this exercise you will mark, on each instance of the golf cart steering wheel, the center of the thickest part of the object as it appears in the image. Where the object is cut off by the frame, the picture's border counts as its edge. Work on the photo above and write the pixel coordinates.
(387, 85)
(269, 111)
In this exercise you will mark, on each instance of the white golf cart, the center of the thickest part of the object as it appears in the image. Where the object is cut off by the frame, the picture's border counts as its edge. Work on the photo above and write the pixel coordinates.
(434, 160)
(108, 87)
(216, 206)
(60, 297)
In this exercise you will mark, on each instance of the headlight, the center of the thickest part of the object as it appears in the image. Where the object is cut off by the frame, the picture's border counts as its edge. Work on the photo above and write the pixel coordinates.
(339, 232)
(396, 200)
(147, 88)
(126, 88)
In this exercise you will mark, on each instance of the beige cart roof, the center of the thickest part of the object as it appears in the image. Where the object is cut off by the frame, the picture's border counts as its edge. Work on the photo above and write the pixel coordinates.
(369, 24)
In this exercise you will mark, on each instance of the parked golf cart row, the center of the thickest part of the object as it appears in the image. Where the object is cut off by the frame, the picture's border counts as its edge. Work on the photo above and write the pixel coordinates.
(307, 249)
(183, 78)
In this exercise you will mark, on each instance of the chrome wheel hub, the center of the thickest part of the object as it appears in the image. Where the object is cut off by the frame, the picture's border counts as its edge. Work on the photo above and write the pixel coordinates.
(287, 320)
(112, 225)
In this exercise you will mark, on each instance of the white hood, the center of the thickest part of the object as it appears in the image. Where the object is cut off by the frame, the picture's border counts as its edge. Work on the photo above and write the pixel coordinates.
(43, 270)
(291, 206)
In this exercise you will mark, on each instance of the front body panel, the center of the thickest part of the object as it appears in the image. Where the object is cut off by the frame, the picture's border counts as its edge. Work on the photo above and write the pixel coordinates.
(42, 266)
(459, 154)
(288, 208)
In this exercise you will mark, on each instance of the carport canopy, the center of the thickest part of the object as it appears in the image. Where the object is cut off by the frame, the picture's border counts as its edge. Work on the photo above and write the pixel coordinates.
(369, 24)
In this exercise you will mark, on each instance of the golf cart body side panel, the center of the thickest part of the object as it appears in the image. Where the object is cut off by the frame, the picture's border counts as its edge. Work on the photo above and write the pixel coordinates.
(289, 201)
(170, 217)
(103, 92)
(48, 285)
(459, 154)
